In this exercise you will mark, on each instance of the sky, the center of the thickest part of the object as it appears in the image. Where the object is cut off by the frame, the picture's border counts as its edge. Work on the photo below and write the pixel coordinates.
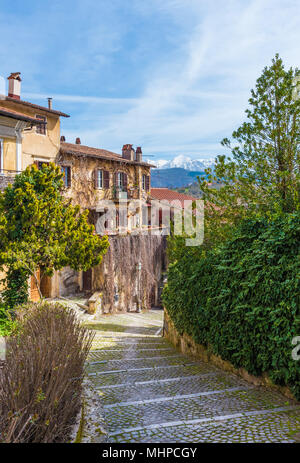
(172, 76)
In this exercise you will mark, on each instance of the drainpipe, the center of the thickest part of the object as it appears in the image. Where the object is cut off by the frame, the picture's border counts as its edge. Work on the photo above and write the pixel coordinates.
(18, 149)
(139, 268)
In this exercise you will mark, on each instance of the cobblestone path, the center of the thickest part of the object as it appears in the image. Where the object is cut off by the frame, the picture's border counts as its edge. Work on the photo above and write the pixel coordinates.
(152, 393)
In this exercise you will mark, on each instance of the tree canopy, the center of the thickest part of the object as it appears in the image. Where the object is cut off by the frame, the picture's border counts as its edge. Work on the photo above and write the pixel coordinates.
(262, 175)
(39, 228)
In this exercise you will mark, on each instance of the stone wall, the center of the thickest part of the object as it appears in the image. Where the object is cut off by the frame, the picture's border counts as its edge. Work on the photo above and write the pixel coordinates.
(131, 272)
(130, 275)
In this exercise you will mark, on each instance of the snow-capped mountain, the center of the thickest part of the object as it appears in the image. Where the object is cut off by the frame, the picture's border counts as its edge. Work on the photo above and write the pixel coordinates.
(184, 162)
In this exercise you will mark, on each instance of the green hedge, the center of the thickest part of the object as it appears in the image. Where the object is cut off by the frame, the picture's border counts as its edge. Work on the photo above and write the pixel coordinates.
(242, 300)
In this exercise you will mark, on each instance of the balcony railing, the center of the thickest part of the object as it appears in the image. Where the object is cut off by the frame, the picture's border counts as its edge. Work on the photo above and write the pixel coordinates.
(9, 173)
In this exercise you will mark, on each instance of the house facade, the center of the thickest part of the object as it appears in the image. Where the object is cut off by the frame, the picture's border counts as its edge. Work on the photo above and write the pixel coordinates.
(96, 179)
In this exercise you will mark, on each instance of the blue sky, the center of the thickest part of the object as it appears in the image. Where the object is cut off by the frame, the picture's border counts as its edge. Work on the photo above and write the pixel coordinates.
(173, 76)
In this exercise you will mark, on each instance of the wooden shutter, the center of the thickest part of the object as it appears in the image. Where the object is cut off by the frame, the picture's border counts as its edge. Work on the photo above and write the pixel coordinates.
(115, 178)
(96, 178)
(147, 182)
(125, 181)
(106, 179)
(69, 177)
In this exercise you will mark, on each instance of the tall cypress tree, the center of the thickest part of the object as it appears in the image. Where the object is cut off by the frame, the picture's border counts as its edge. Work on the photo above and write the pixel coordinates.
(262, 174)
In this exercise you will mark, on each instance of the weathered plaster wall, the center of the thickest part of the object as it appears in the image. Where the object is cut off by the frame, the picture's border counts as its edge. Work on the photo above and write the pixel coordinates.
(83, 191)
(36, 146)
(124, 284)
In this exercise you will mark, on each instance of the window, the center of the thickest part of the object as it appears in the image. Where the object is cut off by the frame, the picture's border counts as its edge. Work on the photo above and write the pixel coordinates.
(67, 175)
(100, 178)
(146, 182)
(41, 128)
(40, 164)
(120, 180)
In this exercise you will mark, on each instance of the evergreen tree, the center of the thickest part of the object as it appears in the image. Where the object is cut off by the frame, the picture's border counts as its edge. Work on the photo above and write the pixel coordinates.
(262, 176)
(40, 229)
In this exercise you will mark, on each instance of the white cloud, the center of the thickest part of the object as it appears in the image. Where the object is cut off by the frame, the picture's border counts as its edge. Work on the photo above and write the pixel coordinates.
(172, 76)
(196, 98)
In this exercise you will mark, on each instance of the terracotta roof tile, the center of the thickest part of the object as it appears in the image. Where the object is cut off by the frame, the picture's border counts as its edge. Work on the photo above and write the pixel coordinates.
(170, 195)
(76, 149)
(35, 106)
(17, 115)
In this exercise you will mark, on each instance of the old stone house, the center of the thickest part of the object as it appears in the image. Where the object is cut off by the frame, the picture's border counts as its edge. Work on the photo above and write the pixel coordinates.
(29, 134)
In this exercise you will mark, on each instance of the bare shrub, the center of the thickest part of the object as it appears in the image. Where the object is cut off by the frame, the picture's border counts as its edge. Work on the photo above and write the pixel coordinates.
(41, 381)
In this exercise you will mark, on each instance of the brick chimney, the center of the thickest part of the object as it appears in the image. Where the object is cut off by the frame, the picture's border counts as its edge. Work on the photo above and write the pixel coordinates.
(14, 85)
(138, 154)
(78, 142)
(128, 152)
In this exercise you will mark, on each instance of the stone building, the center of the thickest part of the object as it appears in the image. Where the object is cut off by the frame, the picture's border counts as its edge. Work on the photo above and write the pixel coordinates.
(95, 179)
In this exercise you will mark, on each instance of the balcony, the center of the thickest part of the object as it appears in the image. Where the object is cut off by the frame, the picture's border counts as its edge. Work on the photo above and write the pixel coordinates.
(122, 193)
(7, 177)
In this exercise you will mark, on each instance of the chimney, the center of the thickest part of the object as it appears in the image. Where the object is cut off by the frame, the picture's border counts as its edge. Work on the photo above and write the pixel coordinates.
(138, 154)
(14, 85)
(128, 152)
(78, 142)
(62, 139)
(49, 103)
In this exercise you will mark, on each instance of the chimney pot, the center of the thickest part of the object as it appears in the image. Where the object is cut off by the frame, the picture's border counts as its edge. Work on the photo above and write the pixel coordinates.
(128, 152)
(62, 139)
(138, 154)
(50, 103)
(14, 85)
(78, 142)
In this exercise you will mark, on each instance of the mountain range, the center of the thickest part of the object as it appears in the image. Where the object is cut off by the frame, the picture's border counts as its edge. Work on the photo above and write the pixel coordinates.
(184, 162)
(179, 172)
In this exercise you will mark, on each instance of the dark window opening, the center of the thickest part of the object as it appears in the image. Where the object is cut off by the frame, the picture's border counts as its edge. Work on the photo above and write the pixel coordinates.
(41, 128)
(67, 175)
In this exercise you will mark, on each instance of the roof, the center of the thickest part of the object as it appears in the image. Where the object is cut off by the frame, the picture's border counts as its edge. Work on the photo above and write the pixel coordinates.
(35, 106)
(83, 150)
(19, 116)
(170, 195)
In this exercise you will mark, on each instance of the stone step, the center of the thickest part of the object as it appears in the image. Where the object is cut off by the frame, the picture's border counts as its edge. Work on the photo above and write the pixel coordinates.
(151, 374)
(129, 354)
(270, 426)
(144, 390)
(122, 418)
(143, 362)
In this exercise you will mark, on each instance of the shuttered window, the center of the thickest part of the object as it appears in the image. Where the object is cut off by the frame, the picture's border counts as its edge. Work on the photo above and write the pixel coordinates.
(41, 128)
(146, 182)
(101, 178)
(67, 175)
(120, 180)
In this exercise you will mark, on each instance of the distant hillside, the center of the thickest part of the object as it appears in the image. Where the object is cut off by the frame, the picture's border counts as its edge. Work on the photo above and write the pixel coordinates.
(173, 178)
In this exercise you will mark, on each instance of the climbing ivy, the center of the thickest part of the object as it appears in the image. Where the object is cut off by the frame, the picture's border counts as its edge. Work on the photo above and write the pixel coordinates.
(242, 299)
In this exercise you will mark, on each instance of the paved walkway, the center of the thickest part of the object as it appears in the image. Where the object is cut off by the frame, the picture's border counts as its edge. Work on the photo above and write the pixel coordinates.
(152, 393)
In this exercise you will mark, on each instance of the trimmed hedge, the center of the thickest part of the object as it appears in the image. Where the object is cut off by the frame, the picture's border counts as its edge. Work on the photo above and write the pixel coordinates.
(242, 300)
